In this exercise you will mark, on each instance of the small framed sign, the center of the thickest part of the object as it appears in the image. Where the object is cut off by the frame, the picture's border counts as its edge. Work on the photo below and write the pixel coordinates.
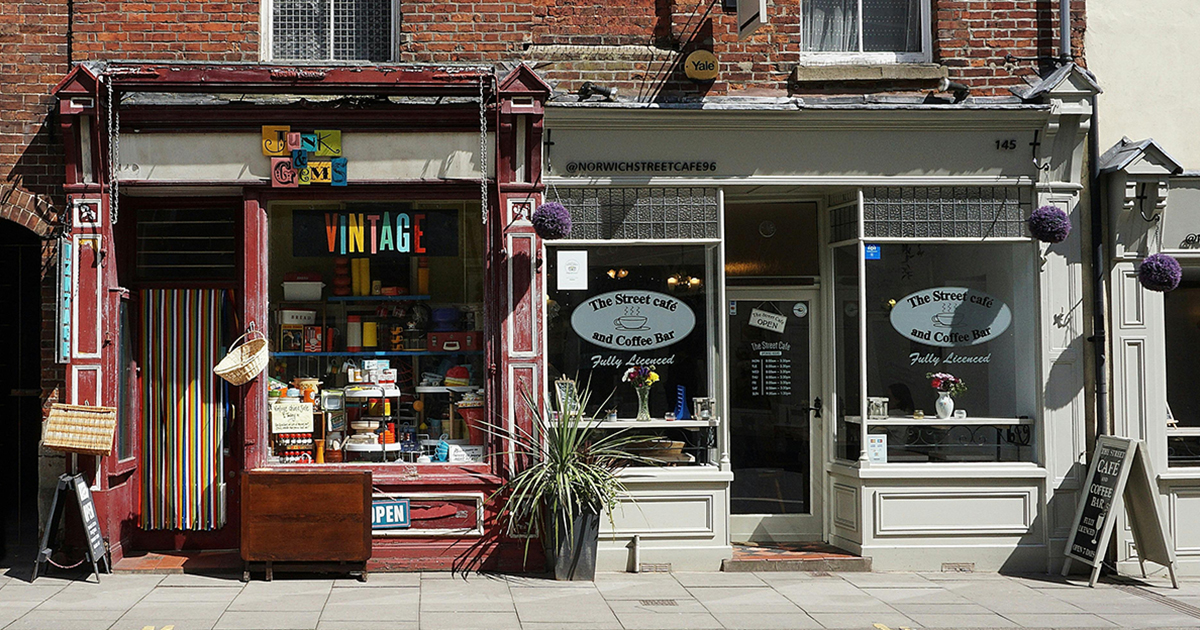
(877, 448)
(390, 514)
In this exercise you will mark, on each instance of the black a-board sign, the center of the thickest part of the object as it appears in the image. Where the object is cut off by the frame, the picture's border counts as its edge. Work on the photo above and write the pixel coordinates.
(77, 486)
(1120, 476)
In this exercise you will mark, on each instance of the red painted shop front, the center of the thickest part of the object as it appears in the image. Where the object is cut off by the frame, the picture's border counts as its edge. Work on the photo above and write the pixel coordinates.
(371, 224)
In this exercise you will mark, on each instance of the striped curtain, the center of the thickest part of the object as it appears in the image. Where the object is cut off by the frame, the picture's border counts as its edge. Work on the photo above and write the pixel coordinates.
(182, 410)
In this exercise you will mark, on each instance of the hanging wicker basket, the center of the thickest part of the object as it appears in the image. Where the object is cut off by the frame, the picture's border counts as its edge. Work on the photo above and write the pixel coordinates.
(247, 357)
(80, 429)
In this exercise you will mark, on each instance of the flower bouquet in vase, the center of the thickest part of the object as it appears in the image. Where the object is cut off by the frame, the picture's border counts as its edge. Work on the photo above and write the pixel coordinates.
(642, 378)
(947, 386)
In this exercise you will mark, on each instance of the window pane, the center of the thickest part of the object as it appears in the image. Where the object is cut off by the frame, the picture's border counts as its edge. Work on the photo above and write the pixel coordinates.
(846, 311)
(300, 29)
(362, 30)
(892, 25)
(830, 25)
(1181, 319)
(966, 310)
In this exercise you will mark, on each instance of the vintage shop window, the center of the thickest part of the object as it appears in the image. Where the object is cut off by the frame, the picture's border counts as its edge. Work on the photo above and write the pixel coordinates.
(873, 30)
(333, 30)
(377, 318)
(1181, 319)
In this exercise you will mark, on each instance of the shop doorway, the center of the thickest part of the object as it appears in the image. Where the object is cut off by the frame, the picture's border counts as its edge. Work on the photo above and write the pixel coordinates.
(20, 389)
(775, 413)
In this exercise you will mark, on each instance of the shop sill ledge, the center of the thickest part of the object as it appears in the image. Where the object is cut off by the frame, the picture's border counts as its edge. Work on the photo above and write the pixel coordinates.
(942, 471)
(678, 474)
(1180, 474)
(427, 474)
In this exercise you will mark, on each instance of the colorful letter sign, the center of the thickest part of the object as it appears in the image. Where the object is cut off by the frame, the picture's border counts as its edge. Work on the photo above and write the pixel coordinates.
(299, 151)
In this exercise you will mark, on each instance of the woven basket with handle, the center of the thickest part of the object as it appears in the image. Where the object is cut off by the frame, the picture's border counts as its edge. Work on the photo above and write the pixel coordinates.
(80, 429)
(247, 357)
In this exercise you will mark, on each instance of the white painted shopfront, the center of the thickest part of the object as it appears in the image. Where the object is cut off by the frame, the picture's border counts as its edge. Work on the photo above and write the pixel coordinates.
(832, 255)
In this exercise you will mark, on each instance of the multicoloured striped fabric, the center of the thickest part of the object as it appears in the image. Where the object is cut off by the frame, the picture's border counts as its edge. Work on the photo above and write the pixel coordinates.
(182, 410)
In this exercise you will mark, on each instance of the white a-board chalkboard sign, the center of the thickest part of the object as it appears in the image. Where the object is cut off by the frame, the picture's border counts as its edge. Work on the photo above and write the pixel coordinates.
(1120, 476)
(74, 486)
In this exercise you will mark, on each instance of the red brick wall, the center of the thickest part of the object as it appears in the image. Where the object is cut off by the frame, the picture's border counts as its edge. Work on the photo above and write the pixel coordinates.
(175, 30)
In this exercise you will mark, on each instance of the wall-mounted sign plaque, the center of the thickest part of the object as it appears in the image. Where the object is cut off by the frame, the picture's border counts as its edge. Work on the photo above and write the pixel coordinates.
(633, 320)
(949, 317)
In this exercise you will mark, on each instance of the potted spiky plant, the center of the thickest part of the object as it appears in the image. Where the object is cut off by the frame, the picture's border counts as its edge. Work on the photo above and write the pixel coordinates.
(571, 479)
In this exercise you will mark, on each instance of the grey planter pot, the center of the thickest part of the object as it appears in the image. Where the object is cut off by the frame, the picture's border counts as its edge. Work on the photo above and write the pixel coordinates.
(572, 555)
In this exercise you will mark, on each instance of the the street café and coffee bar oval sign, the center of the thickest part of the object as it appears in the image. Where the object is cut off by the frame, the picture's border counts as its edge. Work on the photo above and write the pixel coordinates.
(633, 320)
(950, 317)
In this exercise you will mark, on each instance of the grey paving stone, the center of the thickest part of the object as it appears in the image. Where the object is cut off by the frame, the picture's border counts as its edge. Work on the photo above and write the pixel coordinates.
(23, 592)
(942, 609)
(777, 577)
(561, 606)
(232, 580)
(178, 610)
(472, 595)
(647, 586)
(1109, 600)
(719, 579)
(285, 597)
(367, 625)
(935, 620)
(744, 599)
(372, 604)
(893, 620)
(839, 603)
(1055, 620)
(1150, 620)
(114, 596)
(140, 623)
(272, 620)
(566, 625)
(915, 596)
(631, 606)
(65, 620)
(526, 581)
(766, 621)
(470, 621)
(381, 580)
(191, 594)
(668, 621)
(887, 580)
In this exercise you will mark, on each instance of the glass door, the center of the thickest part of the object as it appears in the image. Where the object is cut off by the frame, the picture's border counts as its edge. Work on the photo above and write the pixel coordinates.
(774, 415)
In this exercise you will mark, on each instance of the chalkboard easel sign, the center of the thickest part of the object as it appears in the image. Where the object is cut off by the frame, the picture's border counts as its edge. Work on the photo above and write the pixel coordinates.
(77, 486)
(1120, 476)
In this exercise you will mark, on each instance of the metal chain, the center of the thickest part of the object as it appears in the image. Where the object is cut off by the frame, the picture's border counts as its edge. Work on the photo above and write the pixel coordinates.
(114, 155)
(483, 159)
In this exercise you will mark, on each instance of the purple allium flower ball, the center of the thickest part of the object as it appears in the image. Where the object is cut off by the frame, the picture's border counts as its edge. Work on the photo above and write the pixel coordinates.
(1160, 272)
(551, 221)
(1049, 224)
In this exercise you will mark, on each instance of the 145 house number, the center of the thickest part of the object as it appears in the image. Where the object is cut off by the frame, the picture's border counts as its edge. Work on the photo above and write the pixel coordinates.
(1009, 144)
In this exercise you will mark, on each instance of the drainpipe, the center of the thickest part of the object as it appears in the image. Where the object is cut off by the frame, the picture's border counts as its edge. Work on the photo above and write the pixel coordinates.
(1064, 30)
(1099, 272)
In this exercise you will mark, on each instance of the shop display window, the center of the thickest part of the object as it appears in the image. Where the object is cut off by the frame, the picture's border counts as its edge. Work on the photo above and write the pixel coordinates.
(1181, 319)
(376, 332)
(964, 310)
(848, 435)
(611, 308)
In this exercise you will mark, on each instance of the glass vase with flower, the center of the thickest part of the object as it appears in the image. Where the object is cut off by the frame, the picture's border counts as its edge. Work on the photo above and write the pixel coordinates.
(642, 378)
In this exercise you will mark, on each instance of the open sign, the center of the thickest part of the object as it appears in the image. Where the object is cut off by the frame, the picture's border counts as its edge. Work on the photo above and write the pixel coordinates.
(390, 514)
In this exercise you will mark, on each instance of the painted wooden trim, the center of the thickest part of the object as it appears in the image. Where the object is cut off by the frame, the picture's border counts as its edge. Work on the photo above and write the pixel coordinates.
(1026, 496)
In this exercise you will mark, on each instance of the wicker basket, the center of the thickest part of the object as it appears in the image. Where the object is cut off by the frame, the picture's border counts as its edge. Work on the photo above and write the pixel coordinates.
(80, 429)
(244, 361)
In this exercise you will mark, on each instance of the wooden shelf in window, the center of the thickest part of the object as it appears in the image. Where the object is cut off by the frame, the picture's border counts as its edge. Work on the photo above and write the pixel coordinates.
(378, 298)
(934, 421)
(657, 423)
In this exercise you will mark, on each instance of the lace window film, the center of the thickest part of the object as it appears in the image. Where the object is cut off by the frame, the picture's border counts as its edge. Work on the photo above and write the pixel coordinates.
(337, 30)
(946, 212)
(640, 213)
(843, 223)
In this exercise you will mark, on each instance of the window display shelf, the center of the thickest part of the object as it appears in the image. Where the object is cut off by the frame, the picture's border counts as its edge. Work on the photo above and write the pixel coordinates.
(657, 423)
(379, 353)
(442, 389)
(934, 421)
(378, 298)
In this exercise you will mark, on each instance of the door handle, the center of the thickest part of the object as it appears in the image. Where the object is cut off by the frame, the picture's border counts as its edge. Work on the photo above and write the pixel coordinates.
(816, 407)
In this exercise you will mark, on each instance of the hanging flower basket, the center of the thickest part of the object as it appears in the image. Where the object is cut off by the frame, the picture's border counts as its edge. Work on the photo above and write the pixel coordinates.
(1049, 224)
(551, 221)
(1160, 272)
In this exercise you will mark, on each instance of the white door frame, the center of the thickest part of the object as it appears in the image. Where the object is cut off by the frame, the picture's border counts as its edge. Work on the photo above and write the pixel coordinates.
(786, 527)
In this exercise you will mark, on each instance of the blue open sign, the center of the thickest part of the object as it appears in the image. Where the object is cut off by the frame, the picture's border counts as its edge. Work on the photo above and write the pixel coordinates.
(389, 514)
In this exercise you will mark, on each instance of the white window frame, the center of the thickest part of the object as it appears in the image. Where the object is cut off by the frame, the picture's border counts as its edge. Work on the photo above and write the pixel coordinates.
(267, 41)
(819, 58)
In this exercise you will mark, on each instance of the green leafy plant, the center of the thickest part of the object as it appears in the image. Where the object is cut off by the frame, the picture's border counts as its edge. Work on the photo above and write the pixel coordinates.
(572, 470)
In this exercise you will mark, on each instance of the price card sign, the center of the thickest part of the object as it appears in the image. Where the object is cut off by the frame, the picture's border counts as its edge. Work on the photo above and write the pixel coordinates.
(291, 417)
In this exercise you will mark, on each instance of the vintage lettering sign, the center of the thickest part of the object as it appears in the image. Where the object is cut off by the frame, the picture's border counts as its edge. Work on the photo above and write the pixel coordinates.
(300, 159)
(950, 317)
(633, 320)
(389, 233)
